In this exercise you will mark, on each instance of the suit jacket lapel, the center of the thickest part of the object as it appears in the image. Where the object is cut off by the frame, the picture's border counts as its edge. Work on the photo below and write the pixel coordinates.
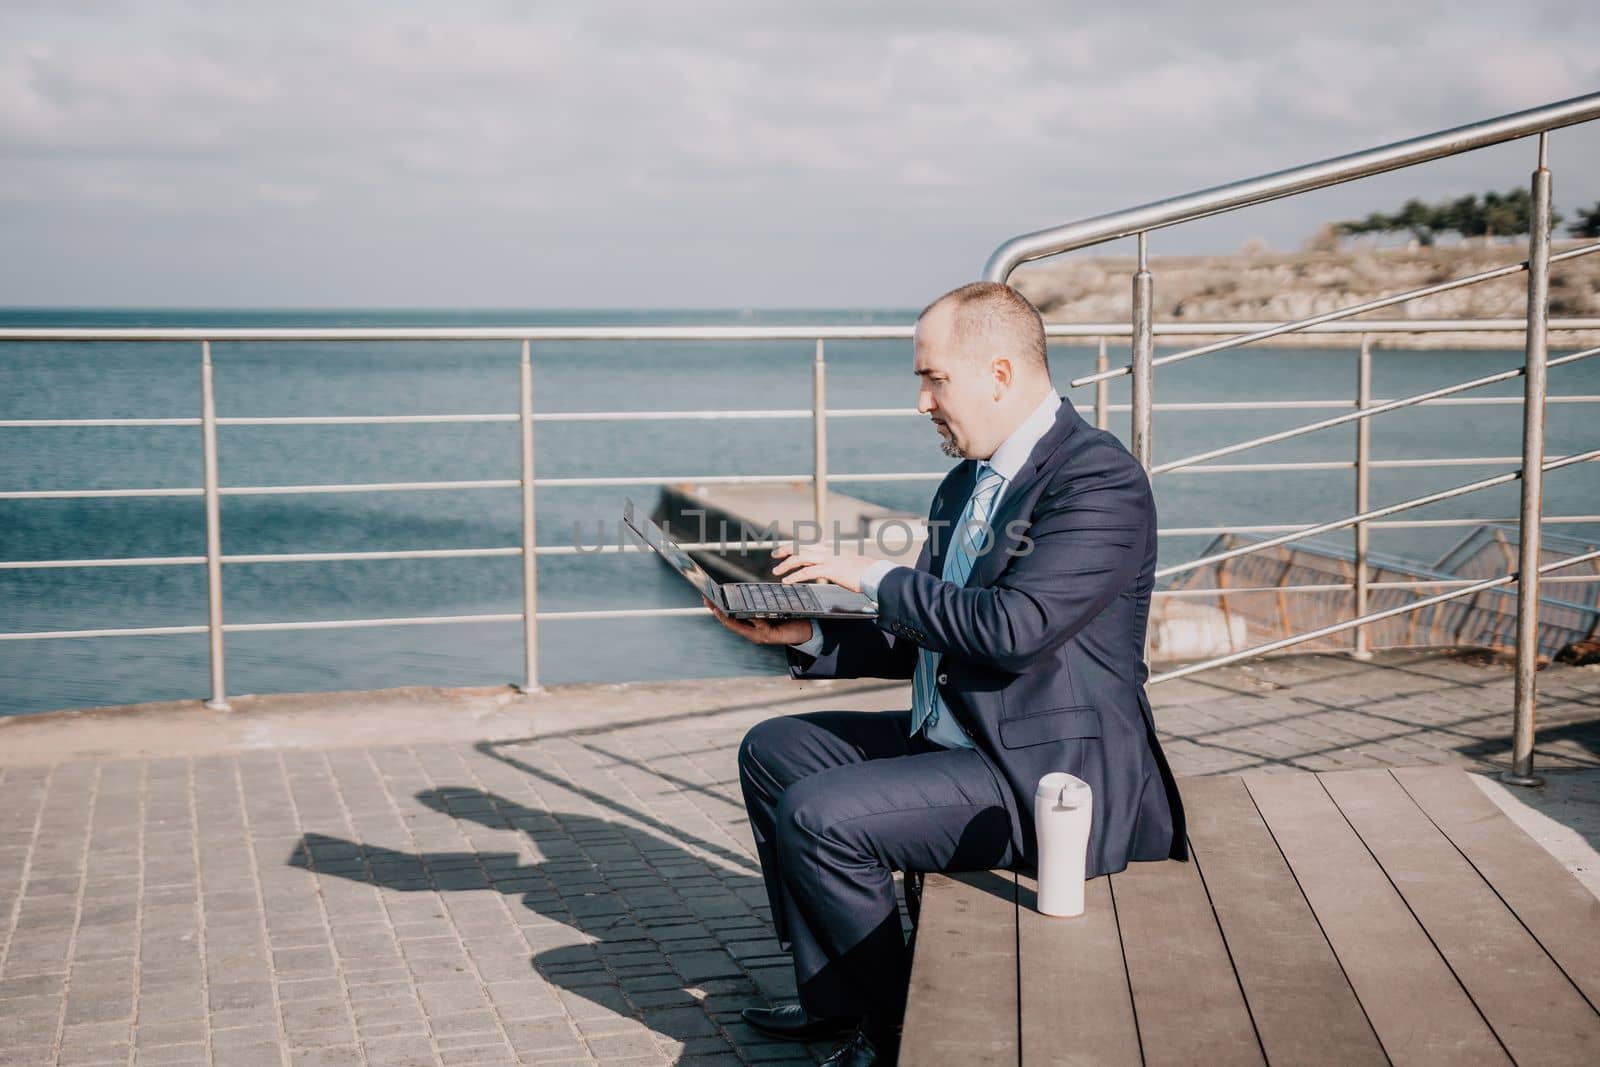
(991, 563)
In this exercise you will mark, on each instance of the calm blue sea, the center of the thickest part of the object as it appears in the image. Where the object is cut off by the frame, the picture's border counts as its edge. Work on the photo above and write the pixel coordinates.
(39, 380)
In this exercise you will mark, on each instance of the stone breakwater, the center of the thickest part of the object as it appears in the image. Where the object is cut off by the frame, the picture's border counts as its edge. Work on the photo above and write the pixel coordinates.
(1280, 287)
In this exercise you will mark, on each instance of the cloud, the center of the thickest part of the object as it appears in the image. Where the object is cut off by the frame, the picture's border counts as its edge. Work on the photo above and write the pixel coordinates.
(730, 153)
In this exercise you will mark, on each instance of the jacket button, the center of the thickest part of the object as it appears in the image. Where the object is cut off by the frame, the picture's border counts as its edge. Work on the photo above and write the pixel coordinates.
(943, 678)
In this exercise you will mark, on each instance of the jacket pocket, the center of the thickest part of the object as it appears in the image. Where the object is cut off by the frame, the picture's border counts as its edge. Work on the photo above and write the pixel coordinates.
(1049, 724)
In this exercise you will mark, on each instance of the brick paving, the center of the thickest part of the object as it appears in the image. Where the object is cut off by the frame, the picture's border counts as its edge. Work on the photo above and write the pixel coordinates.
(587, 896)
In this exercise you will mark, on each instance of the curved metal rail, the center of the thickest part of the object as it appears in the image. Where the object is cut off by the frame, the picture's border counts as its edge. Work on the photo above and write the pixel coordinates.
(1140, 221)
(1275, 186)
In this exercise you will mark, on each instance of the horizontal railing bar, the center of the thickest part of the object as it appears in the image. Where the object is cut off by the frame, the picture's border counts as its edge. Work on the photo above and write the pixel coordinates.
(892, 476)
(1345, 405)
(1363, 620)
(343, 557)
(141, 631)
(402, 487)
(1344, 326)
(362, 420)
(687, 546)
(1350, 312)
(367, 487)
(1455, 461)
(1344, 587)
(690, 546)
(1419, 524)
(1465, 586)
(1366, 413)
(336, 557)
(538, 334)
(1366, 516)
(1492, 401)
(76, 494)
(672, 479)
(425, 620)
(1259, 190)
(622, 613)
(1255, 468)
(1391, 524)
(641, 416)
(343, 624)
(124, 561)
(1241, 405)
(1213, 591)
(753, 413)
(1347, 464)
(35, 423)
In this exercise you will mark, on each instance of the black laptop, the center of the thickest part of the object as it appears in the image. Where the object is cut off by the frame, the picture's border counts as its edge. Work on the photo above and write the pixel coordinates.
(752, 600)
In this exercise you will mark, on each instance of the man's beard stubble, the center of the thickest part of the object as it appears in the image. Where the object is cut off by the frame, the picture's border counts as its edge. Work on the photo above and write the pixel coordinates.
(949, 448)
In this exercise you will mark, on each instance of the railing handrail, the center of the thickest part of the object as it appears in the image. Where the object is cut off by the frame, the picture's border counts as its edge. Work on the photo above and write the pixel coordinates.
(901, 332)
(1234, 195)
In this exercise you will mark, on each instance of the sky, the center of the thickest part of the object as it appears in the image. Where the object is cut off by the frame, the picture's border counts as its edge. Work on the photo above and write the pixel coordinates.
(705, 154)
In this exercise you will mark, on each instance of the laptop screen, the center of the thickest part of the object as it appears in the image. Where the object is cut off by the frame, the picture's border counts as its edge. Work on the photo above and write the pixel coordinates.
(657, 539)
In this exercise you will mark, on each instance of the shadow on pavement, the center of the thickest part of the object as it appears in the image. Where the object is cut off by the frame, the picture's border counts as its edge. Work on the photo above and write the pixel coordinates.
(634, 903)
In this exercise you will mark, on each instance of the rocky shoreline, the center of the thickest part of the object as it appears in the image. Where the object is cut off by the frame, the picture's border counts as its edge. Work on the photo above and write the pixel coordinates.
(1265, 286)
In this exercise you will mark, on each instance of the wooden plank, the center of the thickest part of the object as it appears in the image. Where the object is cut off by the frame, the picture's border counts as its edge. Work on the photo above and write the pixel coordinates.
(1419, 1010)
(1557, 908)
(1539, 1016)
(963, 1001)
(1304, 1009)
(1185, 994)
(1076, 1006)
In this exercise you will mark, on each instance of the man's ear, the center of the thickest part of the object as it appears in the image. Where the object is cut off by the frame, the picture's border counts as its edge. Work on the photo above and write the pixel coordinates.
(1000, 367)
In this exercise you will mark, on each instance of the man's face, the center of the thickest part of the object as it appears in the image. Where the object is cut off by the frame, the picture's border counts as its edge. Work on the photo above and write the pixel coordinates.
(957, 389)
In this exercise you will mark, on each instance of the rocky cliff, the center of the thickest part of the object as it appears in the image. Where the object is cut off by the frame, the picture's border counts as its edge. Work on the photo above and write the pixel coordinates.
(1276, 287)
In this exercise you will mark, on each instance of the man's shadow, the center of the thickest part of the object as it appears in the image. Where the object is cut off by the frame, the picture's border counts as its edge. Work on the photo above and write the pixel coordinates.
(652, 899)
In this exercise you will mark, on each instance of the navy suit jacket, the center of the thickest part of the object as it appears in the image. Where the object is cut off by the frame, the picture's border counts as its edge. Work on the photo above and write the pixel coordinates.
(1043, 648)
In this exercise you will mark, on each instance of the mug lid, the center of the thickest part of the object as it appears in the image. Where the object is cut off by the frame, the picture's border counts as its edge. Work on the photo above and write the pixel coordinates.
(1068, 787)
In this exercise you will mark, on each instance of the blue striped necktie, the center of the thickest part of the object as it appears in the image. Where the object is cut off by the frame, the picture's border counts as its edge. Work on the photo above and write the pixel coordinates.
(967, 540)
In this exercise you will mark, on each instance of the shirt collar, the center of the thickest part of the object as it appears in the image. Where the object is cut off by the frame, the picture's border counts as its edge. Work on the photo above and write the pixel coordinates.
(1015, 450)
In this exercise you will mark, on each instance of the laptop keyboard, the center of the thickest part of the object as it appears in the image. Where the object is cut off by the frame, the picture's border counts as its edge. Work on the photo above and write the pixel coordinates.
(771, 596)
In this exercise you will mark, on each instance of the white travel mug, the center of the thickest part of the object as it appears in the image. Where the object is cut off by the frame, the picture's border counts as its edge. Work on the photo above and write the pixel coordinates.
(1063, 808)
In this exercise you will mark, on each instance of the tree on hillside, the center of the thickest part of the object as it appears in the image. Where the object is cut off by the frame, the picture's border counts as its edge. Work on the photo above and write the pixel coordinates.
(1495, 215)
(1587, 224)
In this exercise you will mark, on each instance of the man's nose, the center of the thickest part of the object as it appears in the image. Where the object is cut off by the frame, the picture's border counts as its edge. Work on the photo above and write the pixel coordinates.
(924, 401)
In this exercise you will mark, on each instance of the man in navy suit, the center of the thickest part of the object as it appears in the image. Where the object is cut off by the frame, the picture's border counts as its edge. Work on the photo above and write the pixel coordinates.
(1022, 630)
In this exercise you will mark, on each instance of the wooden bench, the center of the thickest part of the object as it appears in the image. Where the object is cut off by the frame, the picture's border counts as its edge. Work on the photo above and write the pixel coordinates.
(1350, 917)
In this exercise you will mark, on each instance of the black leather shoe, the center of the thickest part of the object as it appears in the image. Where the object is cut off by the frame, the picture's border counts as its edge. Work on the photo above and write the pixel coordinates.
(862, 1051)
(791, 1023)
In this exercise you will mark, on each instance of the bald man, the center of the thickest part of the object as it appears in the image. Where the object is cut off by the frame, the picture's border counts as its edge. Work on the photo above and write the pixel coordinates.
(1021, 628)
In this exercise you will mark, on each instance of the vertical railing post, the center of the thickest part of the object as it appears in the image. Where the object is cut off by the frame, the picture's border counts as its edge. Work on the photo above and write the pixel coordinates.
(1533, 398)
(530, 559)
(1102, 390)
(819, 440)
(208, 438)
(1143, 354)
(1363, 646)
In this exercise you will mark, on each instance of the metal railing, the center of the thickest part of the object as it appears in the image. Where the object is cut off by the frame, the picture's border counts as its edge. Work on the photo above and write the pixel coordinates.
(1138, 222)
(528, 484)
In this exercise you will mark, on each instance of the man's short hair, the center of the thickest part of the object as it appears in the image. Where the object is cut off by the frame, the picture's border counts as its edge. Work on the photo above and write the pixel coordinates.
(998, 314)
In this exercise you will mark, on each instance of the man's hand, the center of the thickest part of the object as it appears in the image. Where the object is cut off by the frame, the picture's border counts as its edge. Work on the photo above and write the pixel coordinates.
(804, 563)
(765, 631)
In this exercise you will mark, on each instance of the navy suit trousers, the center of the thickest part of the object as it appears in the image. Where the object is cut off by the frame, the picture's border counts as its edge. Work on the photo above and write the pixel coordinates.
(839, 801)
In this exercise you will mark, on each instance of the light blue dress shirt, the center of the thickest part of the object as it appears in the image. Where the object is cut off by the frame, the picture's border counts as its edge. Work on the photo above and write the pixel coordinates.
(1007, 461)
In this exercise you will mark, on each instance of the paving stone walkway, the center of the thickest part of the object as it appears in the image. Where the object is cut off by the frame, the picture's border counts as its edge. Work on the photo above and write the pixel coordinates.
(587, 896)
